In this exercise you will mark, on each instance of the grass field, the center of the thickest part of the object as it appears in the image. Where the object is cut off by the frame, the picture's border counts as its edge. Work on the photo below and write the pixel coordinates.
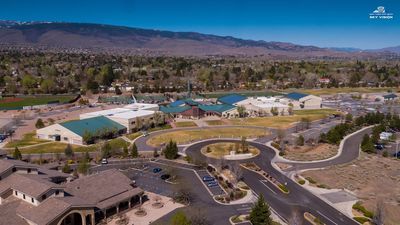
(13, 102)
(220, 150)
(329, 91)
(185, 136)
(284, 121)
(59, 147)
(215, 122)
(28, 139)
(185, 124)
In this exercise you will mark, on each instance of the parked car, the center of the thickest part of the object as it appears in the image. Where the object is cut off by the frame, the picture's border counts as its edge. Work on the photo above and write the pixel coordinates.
(397, 156)
(165, 176)
(212, 184)
(157, 170)
(379, 146)
(208, 178)
(104, 161)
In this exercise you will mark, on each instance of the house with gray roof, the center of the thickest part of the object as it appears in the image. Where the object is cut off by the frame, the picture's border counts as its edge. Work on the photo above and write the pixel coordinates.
(33, 195)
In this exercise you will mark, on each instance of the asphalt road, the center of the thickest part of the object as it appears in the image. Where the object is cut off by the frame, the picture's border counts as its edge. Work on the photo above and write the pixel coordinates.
(299, 199)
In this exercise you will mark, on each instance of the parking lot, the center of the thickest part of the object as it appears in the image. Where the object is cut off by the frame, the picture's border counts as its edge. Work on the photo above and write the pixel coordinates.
(215, 190)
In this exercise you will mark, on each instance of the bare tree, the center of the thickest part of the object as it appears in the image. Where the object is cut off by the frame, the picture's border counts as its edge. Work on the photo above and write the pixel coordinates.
(379, 216)
(281, 139)
(237, 173)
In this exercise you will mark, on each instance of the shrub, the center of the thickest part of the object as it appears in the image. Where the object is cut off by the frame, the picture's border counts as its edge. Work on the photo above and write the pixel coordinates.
(283, 188)
(311, 180)
(385, 154)
(361, 220)
(363, 210)
(302, 182)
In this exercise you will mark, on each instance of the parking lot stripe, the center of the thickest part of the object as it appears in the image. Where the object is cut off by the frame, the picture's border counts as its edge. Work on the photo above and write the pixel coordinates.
(262, 182)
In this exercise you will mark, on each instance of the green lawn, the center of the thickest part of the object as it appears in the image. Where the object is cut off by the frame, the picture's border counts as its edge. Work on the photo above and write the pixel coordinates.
(133, 136)
(222, 149)
(11, 102)
(185, 136)
(28, 139)
(185, 124)
(59, 147)
(215, 122)
(284, 121)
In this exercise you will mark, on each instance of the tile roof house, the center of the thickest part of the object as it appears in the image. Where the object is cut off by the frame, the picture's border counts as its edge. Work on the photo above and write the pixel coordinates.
(29, 195)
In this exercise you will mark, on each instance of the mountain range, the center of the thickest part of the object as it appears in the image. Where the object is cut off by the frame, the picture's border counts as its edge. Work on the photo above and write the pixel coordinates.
(99, 37)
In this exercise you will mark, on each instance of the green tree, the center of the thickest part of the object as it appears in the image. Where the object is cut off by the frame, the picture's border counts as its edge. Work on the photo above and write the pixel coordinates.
(66, 168)
(349, 118)
(17, 154)
(39, 123)
(300, 140)
(242, 111)
(68, 151)
(83, 166)
(260, 213)
(179, 219)
(134, 151)
(106, 150)
(171, 150)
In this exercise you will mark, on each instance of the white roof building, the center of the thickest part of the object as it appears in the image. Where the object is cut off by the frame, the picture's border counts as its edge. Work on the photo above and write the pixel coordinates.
(127, 117)
(142, 106)
(258, 106)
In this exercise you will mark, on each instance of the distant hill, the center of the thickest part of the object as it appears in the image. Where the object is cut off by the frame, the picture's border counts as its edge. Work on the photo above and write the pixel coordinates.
(106, 37)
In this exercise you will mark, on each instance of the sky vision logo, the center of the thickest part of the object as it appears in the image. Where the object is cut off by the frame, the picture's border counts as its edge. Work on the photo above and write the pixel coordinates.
(380, 13)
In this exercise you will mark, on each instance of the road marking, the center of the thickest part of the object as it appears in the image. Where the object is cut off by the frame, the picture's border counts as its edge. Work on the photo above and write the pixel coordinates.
(325, 217)
(246, 209)
(267, 186)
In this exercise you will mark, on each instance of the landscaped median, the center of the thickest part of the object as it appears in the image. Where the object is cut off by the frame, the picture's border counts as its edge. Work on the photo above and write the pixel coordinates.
(312, 219)
(253, 167)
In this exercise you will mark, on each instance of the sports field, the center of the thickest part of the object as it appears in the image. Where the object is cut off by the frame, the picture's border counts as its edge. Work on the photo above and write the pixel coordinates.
(21, 101)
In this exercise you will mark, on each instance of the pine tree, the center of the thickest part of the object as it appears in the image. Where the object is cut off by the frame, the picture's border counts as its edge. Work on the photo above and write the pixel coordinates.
(39, 123)
(134, 151)
(68, 151)
(17, 154)
(171, 150)
(260, 213)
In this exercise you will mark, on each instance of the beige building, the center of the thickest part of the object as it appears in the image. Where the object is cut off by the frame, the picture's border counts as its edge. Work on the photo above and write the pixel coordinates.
(127, 117)
(73, 132)
(304, 101)
(33, 195)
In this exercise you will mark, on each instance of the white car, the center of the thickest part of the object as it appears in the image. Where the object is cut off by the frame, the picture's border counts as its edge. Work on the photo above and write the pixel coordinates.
(104, 161)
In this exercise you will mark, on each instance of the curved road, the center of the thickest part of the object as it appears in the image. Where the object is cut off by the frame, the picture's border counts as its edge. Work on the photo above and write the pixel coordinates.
(298, 199)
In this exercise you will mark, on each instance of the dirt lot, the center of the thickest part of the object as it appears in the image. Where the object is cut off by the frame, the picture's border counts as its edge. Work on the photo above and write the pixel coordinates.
(371, 178)
(310, 153)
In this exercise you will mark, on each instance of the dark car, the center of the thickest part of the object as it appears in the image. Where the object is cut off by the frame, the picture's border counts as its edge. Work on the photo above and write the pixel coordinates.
(379, 146)
(157, 170)
(397, 155)
(208, 178)
(165, 176)
(212, 184)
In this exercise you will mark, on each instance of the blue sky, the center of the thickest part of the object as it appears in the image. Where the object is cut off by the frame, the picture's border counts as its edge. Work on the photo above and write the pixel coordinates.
(324, 23)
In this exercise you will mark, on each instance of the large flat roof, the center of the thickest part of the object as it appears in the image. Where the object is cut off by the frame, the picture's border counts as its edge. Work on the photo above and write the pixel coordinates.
(107, 112)
(131, 114)
(91, 125)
